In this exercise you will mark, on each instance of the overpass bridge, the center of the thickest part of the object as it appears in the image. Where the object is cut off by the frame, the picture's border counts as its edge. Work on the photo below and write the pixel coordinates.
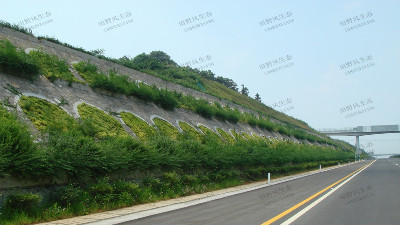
(361, 131)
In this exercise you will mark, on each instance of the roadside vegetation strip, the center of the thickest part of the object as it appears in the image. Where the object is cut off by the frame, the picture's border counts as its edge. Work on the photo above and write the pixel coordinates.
(272, 220)
(75, 152)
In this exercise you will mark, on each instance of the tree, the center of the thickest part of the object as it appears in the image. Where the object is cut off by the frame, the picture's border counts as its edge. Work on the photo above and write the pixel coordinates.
(245, 90)
(258, 98)
(162, 57)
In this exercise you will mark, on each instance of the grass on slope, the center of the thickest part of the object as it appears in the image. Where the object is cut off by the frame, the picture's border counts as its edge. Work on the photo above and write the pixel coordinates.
(142, 130)
(226, 136)
(104, 124)
(42, 113)
(190, 131)
(166, 128)
(216, 89)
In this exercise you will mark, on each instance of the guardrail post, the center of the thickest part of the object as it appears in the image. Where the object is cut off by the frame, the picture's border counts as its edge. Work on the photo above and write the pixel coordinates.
(269, 178)
(319, 168)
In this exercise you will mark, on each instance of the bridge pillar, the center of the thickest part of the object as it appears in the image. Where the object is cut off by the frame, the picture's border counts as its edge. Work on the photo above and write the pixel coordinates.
(357, 152)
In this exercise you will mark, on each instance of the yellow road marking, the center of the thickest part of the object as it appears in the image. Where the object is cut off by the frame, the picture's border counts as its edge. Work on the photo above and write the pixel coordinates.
(310, 198)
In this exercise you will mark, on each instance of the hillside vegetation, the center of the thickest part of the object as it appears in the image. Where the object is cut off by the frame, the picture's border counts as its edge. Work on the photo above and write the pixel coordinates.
(102, 167)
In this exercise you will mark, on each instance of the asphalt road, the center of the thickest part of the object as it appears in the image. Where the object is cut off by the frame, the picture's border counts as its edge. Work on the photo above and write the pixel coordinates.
(372, 196)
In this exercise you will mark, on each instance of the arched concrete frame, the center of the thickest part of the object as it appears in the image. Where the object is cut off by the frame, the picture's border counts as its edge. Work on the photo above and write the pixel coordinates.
(230, 132)
(179, 127)
(127, 111)
(75, 108)
(198, 124)
(28, 94)
(152, 117)
(215, 127)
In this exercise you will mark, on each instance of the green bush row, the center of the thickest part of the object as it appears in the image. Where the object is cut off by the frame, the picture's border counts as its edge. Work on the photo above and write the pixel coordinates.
(16, 62)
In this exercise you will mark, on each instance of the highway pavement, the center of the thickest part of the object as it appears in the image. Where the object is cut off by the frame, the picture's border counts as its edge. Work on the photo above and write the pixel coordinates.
(362, 193)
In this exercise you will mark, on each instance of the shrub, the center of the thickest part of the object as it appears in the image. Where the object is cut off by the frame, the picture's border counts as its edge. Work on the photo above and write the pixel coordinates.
(69, 195)
(233, 116)
(86, 70)
(204, 109)
(74, 155)
(252, 121)
(16, 147)
(22, 202)
(17, 62)
(166, 100)
(144, 92)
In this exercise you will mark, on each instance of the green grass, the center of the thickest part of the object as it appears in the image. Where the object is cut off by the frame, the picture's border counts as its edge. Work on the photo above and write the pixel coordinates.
(104, 124)
(257, 137)
(228, 138)
(165, 168)
(238, 137)
(247, 136)
(52, 67)
(166, 128)
(217, 89)
(43, 113)
(210, 134)
(141, 129)
(190, 131)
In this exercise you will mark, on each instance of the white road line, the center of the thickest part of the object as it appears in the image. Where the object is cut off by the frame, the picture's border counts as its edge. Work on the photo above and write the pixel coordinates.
(303, 211)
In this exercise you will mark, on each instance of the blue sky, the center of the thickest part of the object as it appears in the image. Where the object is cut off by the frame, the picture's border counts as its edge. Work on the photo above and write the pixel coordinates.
(315, 39)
